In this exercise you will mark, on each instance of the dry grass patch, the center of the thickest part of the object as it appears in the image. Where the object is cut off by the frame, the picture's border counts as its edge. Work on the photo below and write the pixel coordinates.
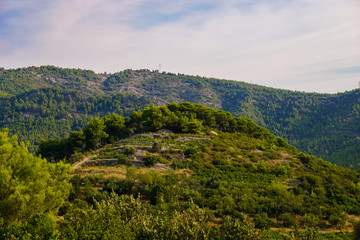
(284, 158)
(107, 172)
(277, 161)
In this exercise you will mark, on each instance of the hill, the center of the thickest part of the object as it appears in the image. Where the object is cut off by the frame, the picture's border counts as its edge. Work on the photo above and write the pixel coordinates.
(325, 125)
(225, 175)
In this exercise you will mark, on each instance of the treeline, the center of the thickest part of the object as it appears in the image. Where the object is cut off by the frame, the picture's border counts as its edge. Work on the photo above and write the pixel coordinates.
(61, 103)
(17, 81)
(53, 113)
(180, 118)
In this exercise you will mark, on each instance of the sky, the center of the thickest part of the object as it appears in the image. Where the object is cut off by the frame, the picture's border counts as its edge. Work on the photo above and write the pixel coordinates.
(303, 45)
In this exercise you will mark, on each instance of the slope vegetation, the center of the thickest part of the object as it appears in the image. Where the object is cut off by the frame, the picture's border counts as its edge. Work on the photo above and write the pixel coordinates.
(182, 153)
(186, 171)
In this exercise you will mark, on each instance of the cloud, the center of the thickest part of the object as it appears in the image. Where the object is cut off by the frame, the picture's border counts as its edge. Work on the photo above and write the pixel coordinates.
(295, 44)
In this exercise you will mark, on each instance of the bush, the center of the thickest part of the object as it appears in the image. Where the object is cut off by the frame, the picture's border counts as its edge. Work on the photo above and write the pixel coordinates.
(262, 221)
(309, 220)
(235, 228)
(149, 161)
(190, 151)
(129, 151)
(152, 160)
(156, 147)
(123, 159)
(76, 157)
(337, 220)
(280, 142)
(288, 220)
(119, 187)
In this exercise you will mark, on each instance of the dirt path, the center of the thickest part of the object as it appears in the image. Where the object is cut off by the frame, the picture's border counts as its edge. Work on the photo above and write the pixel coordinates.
(136, 161)
(79, 164)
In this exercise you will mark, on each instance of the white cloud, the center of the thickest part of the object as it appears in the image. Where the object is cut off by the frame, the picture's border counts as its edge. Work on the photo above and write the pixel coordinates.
(287, 44)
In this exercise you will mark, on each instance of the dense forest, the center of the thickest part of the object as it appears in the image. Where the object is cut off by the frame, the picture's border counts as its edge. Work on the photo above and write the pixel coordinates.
(49, 102)
(180, 171)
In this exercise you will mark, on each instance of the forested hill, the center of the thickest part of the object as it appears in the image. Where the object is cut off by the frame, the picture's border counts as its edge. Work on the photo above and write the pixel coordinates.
(48, 102)
(180, 171)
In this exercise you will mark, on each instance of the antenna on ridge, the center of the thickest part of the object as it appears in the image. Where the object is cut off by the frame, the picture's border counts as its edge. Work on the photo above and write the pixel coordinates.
(159, 67)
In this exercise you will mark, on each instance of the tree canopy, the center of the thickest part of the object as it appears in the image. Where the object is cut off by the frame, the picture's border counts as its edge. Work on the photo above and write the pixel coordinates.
(180, 118)
(29, 185)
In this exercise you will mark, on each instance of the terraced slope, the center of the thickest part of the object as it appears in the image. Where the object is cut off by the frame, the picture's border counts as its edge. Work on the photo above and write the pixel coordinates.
(132, 151)
(231, 174)
(208, 173)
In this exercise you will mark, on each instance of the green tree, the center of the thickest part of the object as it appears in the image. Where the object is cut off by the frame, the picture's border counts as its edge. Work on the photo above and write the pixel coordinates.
(134, 122)
(153, 119)
(190, 125)
(94, 132)
(51, 149)
(114, 126)
(77, 141)
(29, 185)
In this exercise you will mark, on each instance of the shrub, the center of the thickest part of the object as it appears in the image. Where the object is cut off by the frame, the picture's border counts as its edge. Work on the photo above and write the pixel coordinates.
(152, 160)
(119, 187)
(288, 220)
(337, 220)
(76, 157)
(156, 147)
(262, 221)
(235, 228)
(129, 151)
(309, 220)
(190, 151)
(123, 159)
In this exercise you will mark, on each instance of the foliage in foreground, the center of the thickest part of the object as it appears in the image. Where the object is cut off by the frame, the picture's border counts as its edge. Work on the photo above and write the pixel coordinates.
(31, 191)
(124, 217)
(28, 184)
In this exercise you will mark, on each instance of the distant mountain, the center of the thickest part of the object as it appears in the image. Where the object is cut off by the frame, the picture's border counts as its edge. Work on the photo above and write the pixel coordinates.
(49, 102)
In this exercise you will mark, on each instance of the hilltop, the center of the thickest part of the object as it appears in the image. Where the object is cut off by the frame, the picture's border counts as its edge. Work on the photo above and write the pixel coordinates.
(227, 170)
(48, 102)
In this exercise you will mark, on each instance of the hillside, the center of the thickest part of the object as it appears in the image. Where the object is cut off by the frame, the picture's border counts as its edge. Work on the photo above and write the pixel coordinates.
(325, 125)
(224, 175)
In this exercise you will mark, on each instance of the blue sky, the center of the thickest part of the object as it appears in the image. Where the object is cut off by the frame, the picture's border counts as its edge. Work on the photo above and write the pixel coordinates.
(305, 45)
